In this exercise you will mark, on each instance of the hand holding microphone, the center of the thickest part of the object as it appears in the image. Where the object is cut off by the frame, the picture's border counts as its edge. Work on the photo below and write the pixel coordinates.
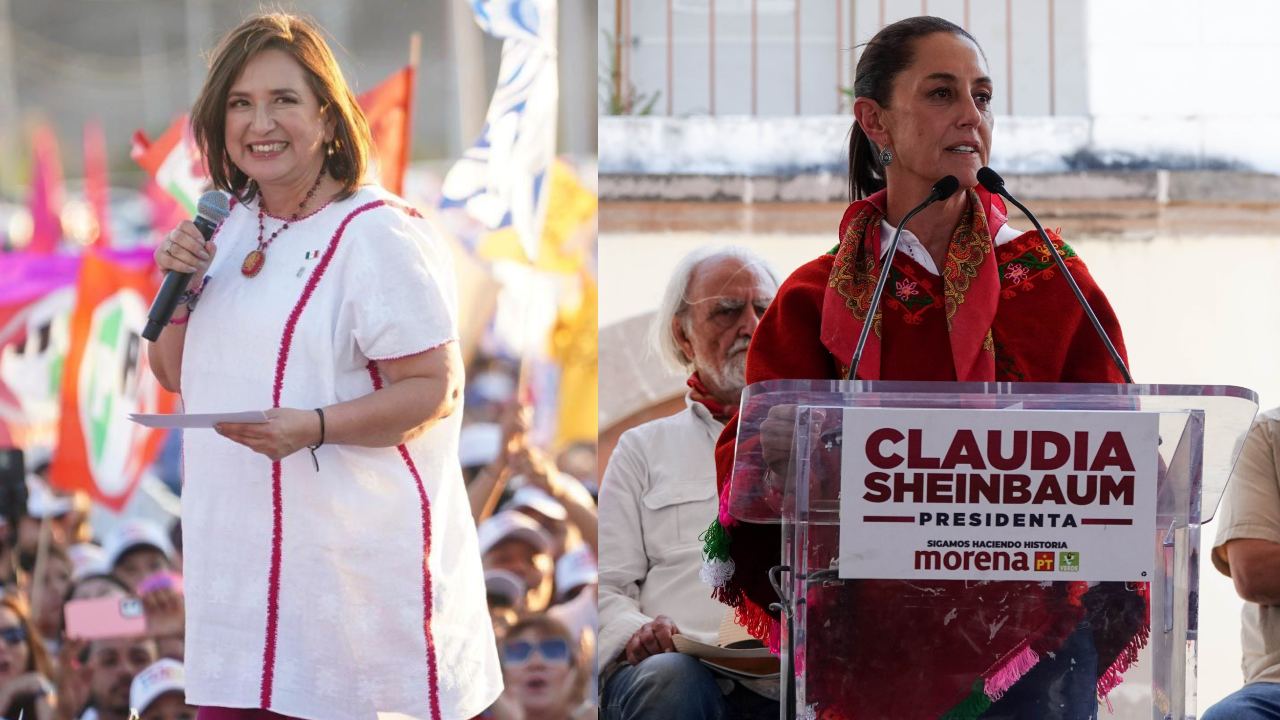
(185, 255)
(186, 252)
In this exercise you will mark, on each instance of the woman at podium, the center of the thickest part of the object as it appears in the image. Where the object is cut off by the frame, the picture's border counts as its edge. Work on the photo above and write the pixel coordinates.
(968, 298)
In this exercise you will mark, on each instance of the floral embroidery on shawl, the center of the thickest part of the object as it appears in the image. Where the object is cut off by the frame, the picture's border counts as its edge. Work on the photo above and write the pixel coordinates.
(855, 272)
(910, 296)
(969, 246)
(1026, 260)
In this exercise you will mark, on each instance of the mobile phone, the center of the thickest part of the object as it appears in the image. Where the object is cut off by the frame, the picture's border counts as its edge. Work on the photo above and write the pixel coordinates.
(113, 616)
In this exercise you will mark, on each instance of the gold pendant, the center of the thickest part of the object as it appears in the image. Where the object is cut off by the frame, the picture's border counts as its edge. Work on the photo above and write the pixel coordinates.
(253, 263)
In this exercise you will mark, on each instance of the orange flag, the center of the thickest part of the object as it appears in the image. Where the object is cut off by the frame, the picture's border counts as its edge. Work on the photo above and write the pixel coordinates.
(388, 108)
(106, 377)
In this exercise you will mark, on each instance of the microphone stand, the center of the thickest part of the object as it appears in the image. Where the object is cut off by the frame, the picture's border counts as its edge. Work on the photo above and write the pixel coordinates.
(942, 189)
(994, 183)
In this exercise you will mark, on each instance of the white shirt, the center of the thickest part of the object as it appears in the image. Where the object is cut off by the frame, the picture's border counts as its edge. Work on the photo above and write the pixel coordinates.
(910, 245)
(1251, 510)
(367, 570)
(657, 496)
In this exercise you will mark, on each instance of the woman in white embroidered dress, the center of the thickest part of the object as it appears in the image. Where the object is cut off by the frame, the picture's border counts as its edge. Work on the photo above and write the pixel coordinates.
(331, 564)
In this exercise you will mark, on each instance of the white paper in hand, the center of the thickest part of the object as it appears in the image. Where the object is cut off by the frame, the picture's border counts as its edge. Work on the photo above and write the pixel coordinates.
(198, 420)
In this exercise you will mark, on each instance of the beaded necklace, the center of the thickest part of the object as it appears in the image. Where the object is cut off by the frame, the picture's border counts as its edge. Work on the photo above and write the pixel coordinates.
(256, 258)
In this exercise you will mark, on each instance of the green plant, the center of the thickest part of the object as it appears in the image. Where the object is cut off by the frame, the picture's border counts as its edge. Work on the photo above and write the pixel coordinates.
(614, 99)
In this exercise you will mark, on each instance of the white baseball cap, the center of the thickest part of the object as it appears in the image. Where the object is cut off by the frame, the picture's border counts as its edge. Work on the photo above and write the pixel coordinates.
(538, 500)
(479, 443)
(504, 583)
(576, 567)
(43, 502)
(87, 559)
(160, 677)
(511, 524)
(133, 534)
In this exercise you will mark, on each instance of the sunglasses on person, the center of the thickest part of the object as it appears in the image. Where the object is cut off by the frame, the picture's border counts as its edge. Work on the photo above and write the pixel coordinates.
(13, 635)
(518, 652)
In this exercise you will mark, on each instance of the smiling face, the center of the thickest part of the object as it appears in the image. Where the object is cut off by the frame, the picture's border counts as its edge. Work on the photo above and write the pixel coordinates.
(938, 120)
(276, 131)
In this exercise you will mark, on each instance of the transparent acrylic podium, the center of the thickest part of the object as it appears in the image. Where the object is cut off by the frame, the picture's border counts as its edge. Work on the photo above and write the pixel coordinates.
(860, 648)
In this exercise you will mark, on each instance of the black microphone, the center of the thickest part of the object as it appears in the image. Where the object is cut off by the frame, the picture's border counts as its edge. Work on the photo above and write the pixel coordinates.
(994, 184)
(212, 209)
(943, 189)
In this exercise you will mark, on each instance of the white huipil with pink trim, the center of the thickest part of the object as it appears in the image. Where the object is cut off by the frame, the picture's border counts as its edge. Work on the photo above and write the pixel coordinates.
(355, 589)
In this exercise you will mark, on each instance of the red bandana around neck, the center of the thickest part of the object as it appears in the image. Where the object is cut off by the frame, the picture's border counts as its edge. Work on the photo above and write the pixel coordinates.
(970, 278)
(699, 392)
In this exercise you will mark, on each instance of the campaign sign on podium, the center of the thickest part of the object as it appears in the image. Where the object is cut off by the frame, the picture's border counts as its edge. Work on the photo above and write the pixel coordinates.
(976, 551)
(980, 494)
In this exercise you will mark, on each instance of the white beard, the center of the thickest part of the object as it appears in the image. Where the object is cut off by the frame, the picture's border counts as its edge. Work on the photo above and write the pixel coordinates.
(728, 377)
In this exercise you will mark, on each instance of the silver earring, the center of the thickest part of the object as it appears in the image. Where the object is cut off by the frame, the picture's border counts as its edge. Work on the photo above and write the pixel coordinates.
(886, 157)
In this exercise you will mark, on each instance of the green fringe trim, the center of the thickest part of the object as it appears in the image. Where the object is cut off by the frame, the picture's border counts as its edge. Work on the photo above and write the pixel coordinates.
(971, 707)
(715, 542)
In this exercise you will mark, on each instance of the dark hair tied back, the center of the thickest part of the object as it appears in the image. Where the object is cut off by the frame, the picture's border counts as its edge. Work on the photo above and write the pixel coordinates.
(890, 52)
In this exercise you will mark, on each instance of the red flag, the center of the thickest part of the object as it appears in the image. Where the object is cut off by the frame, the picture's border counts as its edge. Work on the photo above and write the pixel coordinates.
(388, 107)
(174, 162)
(96, 187)
(45, 199)
(106, 377)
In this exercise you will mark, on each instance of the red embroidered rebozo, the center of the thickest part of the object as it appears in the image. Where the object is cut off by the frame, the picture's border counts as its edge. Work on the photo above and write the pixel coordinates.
(927, 649)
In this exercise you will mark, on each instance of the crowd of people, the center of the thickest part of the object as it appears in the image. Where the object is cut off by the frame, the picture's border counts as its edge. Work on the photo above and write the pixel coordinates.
(537, 527)
(92, 623)
(63, 659)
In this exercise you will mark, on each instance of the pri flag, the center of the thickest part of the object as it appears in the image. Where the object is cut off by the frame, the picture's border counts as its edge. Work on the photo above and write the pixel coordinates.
(175, 162)
(107, 376)
(37, 293)
(502, 179)
(387, 107)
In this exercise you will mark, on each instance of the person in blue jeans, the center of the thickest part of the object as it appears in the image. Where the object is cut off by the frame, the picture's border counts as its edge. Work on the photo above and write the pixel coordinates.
(677, 686)
(659, 493)
(1247, 549)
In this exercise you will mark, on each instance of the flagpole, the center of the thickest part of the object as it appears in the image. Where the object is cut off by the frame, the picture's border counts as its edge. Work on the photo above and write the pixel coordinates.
(42, 559)
(468, 59)
(415, 52)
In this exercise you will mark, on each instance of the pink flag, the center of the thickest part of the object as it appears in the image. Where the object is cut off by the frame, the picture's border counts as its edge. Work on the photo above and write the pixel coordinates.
(96, 187)
(45, 200)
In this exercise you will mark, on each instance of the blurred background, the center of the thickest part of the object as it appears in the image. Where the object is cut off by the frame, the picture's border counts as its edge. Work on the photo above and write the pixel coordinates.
(97, 163)
(1136, 127)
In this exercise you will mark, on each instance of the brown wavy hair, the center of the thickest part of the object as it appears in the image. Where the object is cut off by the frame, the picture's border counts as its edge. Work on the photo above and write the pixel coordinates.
(302, 40)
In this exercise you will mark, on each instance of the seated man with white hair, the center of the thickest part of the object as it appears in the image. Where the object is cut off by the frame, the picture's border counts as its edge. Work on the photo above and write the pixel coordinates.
(659, 493)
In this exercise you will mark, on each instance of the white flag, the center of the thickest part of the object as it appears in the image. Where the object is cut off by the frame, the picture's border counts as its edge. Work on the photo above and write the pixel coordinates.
(504, 179)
